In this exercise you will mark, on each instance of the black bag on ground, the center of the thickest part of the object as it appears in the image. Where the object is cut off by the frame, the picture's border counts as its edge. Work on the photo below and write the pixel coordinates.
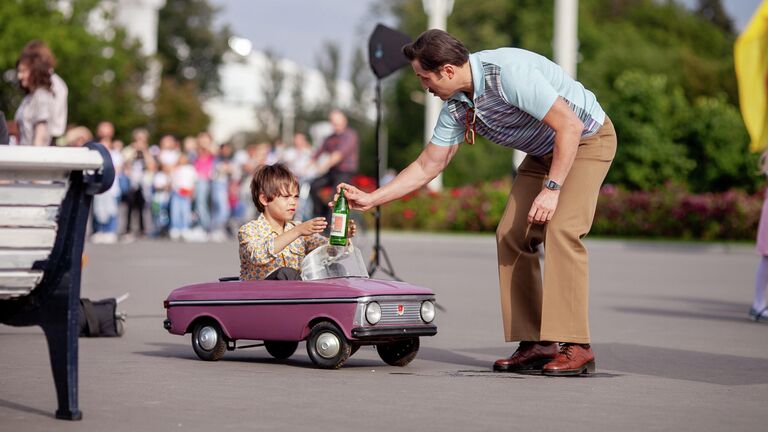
(100, 318)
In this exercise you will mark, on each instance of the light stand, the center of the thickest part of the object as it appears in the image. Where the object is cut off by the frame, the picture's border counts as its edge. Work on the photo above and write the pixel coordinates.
(385, 57)
(378, 248)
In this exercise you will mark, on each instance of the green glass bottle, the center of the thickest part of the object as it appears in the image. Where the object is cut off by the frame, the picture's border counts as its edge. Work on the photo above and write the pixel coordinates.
(339, 221)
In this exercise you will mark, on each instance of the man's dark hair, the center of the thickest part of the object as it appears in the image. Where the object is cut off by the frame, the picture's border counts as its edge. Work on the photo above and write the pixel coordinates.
(272, 181)
(435, 48)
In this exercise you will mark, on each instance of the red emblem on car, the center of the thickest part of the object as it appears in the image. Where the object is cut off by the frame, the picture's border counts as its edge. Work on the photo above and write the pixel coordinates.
(400, 309)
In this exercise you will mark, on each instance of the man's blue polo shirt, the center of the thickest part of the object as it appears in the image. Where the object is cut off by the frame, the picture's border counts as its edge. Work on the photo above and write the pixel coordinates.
(513, 91)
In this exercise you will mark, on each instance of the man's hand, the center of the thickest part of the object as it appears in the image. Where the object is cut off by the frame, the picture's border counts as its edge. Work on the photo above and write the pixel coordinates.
(357, 199)
(312, 226)
(543, 207)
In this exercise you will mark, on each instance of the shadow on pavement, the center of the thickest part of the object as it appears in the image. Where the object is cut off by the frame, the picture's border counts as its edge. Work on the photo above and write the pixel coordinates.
(670, 313)
(169, 350)
(681, 364)
(453, 357)
(247, 355)
(616, 359)
(613, 359)
(27, 409)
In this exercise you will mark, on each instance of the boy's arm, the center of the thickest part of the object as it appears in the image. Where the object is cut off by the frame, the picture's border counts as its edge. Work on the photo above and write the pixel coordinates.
(258, 249)
(272, 246)
(284, 239)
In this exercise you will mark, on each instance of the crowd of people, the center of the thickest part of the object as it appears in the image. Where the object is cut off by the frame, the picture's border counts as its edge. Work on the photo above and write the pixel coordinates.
(191, 189)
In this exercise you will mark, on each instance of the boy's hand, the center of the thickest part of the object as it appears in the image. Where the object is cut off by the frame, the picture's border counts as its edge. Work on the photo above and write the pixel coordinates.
(351, 228)
(312, 226)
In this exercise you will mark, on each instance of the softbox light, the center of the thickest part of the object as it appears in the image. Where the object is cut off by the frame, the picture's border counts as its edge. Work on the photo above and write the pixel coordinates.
(385, 50)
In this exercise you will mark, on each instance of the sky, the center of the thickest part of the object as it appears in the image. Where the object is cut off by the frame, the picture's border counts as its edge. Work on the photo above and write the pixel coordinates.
(298, 29)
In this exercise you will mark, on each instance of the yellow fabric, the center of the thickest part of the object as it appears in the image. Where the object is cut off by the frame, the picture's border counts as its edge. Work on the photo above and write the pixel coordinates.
(751, 61)
(257, 249)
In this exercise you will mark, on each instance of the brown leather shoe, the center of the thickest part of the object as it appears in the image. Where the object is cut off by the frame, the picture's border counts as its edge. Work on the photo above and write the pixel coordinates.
(573, 359)
(529, 358)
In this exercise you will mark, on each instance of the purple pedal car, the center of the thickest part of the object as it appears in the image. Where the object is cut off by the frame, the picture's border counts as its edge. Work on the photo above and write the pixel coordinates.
(335, 308)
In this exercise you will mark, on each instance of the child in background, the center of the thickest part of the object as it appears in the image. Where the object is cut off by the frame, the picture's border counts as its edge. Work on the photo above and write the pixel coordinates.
(183, 177)
(273, 246)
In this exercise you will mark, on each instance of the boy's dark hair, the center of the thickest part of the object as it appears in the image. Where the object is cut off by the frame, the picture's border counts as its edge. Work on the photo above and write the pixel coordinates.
(272, 181)
(435, 48)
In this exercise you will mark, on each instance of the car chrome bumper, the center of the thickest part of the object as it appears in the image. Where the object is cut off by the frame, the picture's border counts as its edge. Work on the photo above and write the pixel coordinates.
(388, 332)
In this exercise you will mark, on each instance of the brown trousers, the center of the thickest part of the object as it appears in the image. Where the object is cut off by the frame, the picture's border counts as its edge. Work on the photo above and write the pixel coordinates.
(555, 308)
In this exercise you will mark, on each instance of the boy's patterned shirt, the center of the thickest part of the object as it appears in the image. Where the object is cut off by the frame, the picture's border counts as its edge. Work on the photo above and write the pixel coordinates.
(257, 249)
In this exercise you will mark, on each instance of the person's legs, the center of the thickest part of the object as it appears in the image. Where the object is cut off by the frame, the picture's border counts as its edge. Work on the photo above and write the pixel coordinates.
(139, 204)
(518, 256)
(186, 213)
(758, 311)
(160, 209)
(220, 204)
(130, 207)
(177, 216)
(565, 300)
(520, 282)
(202, 195)
(564, 315)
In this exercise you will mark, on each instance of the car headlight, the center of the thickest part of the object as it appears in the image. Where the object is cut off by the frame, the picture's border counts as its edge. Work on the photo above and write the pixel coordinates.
(427, 311)
(373, 312)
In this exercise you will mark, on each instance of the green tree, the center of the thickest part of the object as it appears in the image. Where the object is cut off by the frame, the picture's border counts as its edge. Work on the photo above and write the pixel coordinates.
(654, 37)
(189, 47)
(178, 111)
(713, 11)
(103, 71)
(718, 142)
(688, 53)
(648, 119)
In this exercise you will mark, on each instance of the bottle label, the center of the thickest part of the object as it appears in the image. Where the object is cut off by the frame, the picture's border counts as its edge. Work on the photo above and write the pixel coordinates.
(338, 225)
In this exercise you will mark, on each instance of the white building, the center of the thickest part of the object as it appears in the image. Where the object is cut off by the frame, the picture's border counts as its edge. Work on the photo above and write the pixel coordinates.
(242, 93)
(243, 77)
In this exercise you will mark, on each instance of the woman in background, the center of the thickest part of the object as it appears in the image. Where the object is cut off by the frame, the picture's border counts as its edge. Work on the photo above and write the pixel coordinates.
(36, 110)
(759, 312)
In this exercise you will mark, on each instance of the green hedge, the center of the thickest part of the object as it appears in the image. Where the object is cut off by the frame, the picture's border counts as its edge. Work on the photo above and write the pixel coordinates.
(670, 212)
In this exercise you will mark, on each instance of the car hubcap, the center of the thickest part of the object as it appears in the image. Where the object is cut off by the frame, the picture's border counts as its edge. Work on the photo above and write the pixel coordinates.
(207, 338)
(327, 345)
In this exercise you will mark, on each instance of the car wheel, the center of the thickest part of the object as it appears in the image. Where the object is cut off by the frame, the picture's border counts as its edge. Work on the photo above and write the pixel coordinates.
(327, 346)
(208, 340)
(281, 350)
(399, 352)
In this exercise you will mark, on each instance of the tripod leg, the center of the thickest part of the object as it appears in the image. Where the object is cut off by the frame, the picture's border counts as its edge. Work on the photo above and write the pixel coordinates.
(389, 269)
(374, 262)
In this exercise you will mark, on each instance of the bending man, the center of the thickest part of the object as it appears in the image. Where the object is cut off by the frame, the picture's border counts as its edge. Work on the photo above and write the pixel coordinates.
(521, 100)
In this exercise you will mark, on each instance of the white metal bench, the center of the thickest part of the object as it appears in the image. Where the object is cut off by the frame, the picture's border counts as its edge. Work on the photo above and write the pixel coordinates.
(45, 197)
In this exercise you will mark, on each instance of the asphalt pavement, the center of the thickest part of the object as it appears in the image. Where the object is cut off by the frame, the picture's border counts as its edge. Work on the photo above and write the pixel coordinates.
(675, 351)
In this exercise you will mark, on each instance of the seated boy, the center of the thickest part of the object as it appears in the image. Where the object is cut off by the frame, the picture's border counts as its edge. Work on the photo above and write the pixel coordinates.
(273, 246)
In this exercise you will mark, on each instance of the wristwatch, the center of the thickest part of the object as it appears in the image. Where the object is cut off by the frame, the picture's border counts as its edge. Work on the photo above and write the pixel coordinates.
(552, 185)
